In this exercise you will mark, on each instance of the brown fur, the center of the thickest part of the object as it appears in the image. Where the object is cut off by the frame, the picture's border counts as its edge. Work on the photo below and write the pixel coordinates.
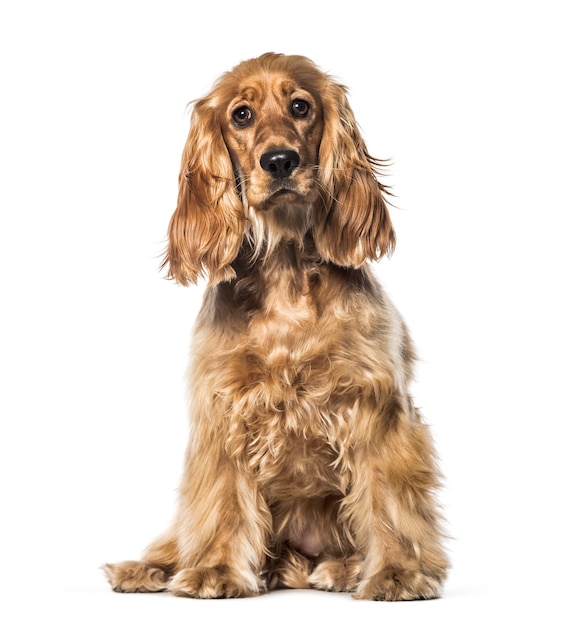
(308, 464)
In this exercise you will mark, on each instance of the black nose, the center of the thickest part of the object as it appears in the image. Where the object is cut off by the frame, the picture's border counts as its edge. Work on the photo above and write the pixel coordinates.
(279, 163)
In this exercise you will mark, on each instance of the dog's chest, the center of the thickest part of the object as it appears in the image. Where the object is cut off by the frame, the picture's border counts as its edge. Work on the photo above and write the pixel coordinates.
(300, 392)
(293, 374)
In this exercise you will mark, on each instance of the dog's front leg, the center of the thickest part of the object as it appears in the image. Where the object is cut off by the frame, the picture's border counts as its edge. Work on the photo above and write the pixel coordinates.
(392, 510)
(222, 524)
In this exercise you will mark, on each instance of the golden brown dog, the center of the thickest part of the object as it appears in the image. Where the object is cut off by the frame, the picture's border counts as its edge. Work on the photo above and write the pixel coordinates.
(308, 464)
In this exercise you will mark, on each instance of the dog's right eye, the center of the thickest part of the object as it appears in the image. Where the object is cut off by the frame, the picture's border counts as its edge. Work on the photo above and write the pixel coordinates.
(242, 116)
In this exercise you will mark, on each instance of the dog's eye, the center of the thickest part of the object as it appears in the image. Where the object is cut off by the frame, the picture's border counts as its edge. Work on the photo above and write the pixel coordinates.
(300, 108)
(242, 116)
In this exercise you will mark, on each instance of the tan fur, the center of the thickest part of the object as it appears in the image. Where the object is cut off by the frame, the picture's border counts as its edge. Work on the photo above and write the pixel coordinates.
(308, 464)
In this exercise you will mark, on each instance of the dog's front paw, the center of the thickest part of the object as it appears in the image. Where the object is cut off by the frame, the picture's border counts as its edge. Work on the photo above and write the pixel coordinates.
(214, 582)
(393, 584)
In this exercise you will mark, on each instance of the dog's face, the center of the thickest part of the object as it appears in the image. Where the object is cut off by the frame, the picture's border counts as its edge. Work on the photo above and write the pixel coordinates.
(272, 127)
(274, 154)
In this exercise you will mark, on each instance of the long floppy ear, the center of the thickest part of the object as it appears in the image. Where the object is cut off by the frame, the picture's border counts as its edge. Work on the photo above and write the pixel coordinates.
(355, 224)
(206, 229)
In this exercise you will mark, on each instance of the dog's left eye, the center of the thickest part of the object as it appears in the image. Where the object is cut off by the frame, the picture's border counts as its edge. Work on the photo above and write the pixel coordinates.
(300, 108)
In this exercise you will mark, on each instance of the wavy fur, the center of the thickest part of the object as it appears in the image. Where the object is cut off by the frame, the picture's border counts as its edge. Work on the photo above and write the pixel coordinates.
(308, 464)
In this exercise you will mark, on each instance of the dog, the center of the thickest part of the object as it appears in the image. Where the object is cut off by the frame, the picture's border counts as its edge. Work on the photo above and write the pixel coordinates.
(308, 465)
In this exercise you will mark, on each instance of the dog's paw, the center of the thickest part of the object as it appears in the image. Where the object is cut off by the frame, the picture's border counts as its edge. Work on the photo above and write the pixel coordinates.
(394, 584)
(132, 576)
(213, 582)
(336, 575)
(291, 571)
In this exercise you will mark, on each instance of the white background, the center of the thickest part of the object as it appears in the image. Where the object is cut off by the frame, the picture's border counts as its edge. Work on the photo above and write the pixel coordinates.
(465, 99)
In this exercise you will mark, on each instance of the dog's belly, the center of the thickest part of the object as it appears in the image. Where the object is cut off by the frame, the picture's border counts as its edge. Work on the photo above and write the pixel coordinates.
(303, 481)
(309, 541)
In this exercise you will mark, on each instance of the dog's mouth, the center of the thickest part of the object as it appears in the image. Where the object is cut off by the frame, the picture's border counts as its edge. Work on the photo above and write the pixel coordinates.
(296, 191)
(287, 192)
(287, 185)
(282, 195)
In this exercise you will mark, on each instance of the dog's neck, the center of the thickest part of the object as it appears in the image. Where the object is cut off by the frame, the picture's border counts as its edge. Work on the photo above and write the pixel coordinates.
(291, 259)
(292, 272)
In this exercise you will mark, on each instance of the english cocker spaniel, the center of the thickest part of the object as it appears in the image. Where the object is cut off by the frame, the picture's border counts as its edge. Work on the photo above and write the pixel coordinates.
(308, 464)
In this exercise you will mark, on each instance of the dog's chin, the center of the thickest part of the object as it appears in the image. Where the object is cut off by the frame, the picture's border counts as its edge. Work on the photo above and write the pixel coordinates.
(284, 217)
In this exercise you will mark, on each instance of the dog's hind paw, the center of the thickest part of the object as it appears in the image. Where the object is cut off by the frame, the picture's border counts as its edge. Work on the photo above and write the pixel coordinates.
(337, 575)
(134, 576)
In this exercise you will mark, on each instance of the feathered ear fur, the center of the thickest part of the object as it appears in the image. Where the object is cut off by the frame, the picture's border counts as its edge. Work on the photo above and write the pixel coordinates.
(206, 229)
(355, 225)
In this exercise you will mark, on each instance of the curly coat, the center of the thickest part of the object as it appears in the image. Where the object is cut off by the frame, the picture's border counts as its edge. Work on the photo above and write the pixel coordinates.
(308, 464)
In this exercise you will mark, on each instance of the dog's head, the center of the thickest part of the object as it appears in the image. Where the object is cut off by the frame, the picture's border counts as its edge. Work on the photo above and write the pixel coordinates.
(273, 153)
